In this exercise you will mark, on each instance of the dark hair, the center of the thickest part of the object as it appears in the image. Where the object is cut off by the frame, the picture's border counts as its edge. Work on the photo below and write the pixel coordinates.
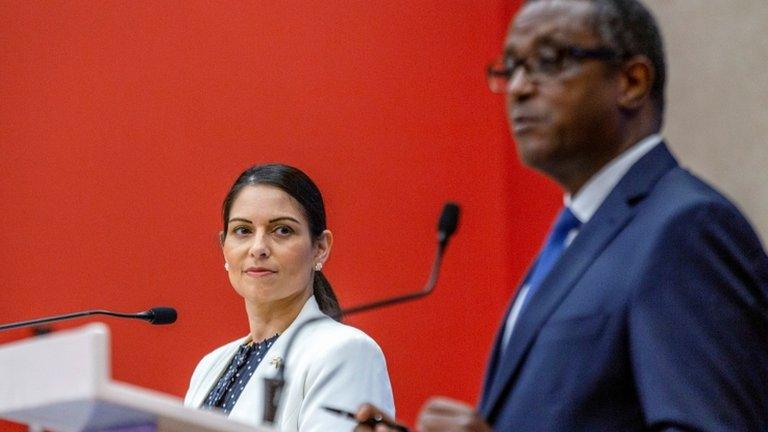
(630, 28)
(299, 186)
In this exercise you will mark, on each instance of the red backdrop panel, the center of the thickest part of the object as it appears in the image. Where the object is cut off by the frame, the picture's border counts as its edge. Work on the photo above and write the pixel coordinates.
(122, 124)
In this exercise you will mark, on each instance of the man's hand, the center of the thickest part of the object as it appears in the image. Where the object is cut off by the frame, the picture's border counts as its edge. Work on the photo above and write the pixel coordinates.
(439, 414)
(449, 415)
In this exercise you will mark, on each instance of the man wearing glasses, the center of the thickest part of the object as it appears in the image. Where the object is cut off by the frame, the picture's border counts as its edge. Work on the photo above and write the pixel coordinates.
(647, 307)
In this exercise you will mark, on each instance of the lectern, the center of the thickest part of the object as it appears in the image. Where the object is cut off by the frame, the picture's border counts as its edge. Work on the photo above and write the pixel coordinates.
(62, 382)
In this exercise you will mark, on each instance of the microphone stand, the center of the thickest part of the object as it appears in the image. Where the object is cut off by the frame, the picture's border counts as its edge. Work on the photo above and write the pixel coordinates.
(159, 315)
(274, 386)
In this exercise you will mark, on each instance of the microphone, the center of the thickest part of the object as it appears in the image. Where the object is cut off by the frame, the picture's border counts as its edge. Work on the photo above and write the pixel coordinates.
(446, 226)
(158, 315)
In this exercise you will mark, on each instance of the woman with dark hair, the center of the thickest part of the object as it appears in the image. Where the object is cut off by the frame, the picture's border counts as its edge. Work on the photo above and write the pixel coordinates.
(275, 242)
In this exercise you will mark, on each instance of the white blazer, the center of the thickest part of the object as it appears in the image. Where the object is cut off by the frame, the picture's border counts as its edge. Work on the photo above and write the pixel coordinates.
(330, 364)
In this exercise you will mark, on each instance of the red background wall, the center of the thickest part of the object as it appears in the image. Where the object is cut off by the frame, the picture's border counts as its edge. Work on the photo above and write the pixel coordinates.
(122, 124)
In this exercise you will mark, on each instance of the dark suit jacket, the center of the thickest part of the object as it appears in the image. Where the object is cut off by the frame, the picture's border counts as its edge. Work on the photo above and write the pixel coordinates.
(654, 318)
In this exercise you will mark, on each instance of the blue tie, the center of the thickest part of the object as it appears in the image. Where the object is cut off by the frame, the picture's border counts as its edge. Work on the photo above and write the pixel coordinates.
(566, 221)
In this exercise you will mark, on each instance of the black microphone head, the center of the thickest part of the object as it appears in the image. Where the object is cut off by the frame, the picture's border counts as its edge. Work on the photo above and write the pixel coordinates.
(161, 315)
(449, 219)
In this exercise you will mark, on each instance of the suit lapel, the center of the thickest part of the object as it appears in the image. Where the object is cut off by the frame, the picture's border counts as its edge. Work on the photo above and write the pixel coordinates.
(266, 368)
(218, 366)
(490, 370)
(615, 212)
(250, 403)
(493, 361)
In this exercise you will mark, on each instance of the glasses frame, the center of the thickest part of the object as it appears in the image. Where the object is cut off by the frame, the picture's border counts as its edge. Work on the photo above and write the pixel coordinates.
(501, 69)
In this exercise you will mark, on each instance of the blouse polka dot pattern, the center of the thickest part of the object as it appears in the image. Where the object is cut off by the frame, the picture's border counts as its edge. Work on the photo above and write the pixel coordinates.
(227, 390)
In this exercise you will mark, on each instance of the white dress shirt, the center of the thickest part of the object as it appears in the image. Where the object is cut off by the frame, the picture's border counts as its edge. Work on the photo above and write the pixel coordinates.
(584, 205)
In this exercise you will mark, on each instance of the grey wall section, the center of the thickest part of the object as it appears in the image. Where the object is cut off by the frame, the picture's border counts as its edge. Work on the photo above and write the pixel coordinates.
(717, 97)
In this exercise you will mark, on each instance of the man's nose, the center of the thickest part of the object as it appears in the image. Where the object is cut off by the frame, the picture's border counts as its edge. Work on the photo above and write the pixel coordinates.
(519, 85)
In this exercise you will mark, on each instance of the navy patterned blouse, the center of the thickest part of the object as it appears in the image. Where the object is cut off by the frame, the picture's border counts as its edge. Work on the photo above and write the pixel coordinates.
(227, 390)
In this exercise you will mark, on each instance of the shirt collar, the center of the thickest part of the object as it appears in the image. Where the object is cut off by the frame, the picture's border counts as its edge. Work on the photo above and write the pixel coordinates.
(586, 202)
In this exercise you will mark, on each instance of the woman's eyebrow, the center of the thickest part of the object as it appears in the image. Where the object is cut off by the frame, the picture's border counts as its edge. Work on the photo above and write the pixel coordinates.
(283, 218)
(238, 219)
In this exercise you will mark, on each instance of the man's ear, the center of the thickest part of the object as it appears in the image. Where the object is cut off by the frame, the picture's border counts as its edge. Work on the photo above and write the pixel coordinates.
(323, 244)
(636, 80)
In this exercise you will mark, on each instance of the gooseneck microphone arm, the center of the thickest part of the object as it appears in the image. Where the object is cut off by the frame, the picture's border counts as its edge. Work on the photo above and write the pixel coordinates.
(157, 315)
(446, 226)
(428, 288)
(449, 219)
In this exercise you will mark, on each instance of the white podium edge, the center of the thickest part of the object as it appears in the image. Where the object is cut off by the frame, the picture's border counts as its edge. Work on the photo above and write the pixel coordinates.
(97, 386)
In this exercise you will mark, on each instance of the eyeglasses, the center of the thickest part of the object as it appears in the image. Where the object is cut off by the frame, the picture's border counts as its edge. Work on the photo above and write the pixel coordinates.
(547, 63)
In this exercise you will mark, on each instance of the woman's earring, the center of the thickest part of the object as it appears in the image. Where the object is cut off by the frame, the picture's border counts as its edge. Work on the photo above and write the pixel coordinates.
(226, 266)
(318, 266)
